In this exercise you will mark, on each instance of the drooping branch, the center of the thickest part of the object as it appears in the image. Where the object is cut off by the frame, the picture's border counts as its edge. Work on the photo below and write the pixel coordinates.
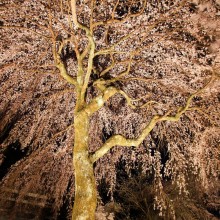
(108, 68)
(202, 111)
(25, 28)
(114, 20)
(147, 28)
(121, 74)
(111, 49)
(57, 55)
(126, 142)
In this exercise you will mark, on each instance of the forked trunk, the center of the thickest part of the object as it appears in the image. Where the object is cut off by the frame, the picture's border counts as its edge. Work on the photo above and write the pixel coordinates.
(85, 188)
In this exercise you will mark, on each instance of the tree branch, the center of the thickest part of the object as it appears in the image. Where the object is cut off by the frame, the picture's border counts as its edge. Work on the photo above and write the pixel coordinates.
(99, 101)
(122, 141)
(65, 75)
(125, 142)
(115, 20)
(90, 48)
(108, 92)
(59, 64)
(74, 16)
(25, 28)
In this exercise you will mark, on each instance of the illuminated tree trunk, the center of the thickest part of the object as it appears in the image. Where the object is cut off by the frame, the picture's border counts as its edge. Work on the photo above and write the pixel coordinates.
(85, 188)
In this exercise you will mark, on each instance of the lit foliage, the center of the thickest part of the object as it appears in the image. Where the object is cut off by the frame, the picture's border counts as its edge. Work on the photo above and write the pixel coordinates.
(154, 54)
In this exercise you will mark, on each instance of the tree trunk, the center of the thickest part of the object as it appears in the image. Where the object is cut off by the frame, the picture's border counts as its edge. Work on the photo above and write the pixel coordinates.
(85, 188)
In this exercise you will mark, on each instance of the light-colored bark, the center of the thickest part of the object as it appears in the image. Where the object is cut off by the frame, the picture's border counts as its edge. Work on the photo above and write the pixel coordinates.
(126, 142)
(85, 188)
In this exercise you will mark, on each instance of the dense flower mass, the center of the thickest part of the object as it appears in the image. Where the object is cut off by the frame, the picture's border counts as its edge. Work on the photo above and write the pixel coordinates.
(129, 64)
